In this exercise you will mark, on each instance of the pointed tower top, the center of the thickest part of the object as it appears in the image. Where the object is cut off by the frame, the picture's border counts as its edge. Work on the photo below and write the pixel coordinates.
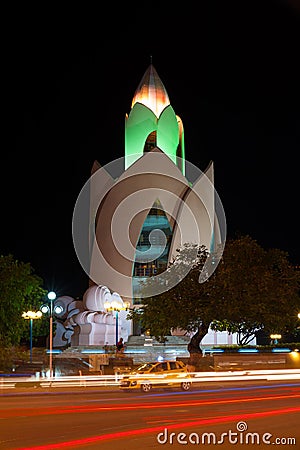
(151, 92)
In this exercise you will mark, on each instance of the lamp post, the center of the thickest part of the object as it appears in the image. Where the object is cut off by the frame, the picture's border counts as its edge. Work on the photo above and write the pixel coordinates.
(45, 309)
(275, 337)
(31, 315)
(51, 296)
(115, 306)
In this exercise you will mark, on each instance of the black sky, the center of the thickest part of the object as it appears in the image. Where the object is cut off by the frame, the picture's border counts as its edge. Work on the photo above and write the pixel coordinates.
(231, 70)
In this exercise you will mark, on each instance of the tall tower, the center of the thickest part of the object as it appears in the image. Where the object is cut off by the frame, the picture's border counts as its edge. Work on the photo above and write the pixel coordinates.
(143, 207)
(151, 209)
(152, 123)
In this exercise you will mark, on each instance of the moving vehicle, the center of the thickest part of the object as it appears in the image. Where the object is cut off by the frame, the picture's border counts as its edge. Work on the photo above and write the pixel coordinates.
(165, 374)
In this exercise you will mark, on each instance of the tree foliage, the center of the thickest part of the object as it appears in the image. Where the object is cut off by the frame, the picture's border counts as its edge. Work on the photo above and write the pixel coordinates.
(251, 289)
(20, 290)
(187, 306)
(259, 290)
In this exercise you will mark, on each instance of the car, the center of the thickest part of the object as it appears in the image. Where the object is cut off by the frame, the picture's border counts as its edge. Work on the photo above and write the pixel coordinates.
(162, 374)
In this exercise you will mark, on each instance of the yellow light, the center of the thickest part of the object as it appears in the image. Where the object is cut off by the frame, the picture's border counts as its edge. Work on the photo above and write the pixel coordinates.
(107, 305)
(32, 315)
(295, 355)
(115, 305)
(275, 336)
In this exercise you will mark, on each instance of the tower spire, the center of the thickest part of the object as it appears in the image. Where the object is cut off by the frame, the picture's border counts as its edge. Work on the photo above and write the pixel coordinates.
(151, 92)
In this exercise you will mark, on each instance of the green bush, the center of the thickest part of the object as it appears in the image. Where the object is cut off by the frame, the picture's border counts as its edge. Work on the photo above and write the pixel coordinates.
(11, 357)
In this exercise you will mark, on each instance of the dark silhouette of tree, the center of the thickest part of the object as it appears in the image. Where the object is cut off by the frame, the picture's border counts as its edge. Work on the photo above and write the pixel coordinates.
(20, 290)
(251, 289)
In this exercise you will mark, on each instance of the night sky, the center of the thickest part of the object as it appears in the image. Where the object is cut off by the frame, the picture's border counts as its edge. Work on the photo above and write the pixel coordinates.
(231, 70)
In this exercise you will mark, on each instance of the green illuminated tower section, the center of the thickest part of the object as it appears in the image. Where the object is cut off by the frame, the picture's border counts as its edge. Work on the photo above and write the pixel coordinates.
(152, 122)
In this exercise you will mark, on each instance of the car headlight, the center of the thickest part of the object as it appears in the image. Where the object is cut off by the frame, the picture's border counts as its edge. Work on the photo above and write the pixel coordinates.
(133, 383)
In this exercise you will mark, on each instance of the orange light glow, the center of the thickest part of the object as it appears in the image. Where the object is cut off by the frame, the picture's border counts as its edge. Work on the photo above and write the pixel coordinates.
(151, 92)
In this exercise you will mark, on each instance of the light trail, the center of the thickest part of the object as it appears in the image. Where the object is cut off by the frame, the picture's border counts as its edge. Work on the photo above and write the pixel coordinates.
(113, 380)
(31, 412)
(142, 431)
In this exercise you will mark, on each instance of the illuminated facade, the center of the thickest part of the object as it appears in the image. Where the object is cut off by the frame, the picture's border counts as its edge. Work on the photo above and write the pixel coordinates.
(151, 193)
(143, 207)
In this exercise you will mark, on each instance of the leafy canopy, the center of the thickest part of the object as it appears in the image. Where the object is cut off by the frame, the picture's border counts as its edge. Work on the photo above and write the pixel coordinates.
(20, 290)
(251, 289)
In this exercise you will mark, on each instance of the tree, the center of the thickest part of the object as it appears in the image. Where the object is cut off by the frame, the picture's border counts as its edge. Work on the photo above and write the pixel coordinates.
(187, 305)
(259, 290)
(251, 289)
(20, 290)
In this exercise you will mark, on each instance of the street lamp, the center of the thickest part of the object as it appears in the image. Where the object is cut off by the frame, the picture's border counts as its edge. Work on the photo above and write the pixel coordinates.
(116, 306)
(45, 309)
(275, 337)
(31, 315)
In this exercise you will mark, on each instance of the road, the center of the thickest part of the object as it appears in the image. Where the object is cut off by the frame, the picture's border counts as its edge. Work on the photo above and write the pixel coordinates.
(230, 415)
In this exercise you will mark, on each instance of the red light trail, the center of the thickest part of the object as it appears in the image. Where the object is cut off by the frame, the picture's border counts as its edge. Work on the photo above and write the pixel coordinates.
(142, 431)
